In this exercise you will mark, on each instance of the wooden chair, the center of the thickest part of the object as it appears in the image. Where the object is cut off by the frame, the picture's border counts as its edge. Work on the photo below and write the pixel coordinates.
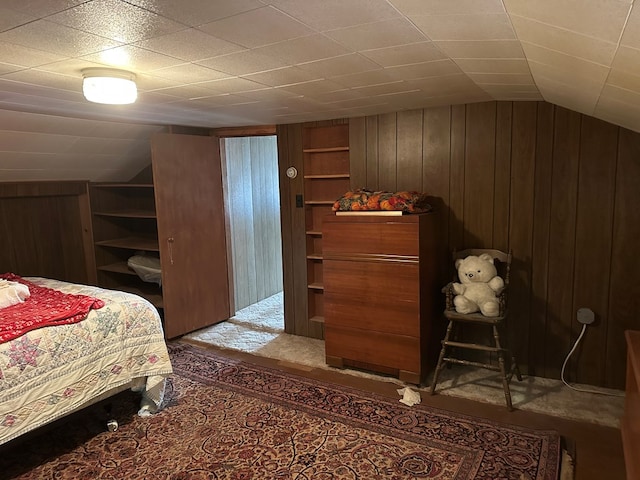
(451, 343)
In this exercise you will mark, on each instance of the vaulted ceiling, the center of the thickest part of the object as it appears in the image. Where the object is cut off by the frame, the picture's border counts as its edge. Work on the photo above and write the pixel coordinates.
(222, 63)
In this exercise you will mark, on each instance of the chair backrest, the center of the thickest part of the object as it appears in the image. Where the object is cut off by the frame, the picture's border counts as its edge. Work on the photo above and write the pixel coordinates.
(501, 260)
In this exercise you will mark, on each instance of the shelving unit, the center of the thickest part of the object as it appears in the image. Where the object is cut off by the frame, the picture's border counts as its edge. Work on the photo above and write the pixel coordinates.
(630, 422)
(124, 223)
(326, 178)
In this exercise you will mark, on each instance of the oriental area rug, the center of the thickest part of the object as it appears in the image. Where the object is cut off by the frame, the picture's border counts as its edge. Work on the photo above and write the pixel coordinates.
(228, 419)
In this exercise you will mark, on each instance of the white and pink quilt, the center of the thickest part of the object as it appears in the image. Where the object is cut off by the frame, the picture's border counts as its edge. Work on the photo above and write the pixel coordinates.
(49, 371)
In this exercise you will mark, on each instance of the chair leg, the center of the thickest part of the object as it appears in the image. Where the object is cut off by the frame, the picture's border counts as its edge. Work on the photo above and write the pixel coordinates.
(505, 380)
(440, 365)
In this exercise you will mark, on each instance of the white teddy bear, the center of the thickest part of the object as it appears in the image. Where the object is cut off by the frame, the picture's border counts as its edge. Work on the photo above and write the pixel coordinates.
(479, 287)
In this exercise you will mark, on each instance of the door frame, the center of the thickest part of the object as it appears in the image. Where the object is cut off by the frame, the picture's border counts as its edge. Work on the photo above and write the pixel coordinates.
(250, 131)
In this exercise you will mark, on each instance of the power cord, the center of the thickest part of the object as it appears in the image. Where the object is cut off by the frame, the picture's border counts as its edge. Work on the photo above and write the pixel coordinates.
(575, 345)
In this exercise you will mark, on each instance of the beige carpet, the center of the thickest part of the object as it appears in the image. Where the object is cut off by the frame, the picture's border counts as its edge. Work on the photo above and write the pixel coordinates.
(258, 329)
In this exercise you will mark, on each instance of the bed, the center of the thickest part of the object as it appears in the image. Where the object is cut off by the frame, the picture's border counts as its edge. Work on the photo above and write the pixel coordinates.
(48, 372)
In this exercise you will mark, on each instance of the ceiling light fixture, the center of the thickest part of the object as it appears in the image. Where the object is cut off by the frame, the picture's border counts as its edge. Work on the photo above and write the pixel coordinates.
(109, 85)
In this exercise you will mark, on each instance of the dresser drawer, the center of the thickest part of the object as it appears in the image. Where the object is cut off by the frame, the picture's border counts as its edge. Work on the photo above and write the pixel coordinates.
(384, 238)
(397, 352)
(382, 296)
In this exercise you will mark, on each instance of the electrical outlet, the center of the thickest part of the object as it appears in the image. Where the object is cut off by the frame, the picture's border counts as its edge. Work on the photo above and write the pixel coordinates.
(586, 316)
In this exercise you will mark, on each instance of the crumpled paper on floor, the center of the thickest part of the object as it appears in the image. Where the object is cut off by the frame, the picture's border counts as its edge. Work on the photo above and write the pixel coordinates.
(409, 397)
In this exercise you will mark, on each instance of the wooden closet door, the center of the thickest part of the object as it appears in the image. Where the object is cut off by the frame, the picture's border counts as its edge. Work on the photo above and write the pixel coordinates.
(187, 178)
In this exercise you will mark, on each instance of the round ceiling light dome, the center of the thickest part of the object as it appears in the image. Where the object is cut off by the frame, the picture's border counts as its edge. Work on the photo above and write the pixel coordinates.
(109, 86)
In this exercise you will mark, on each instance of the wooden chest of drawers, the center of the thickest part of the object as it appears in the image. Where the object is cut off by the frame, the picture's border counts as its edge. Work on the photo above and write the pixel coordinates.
(381, 293)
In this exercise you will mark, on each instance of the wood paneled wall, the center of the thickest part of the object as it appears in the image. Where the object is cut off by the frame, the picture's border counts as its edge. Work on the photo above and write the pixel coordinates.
(558, 188)
(45, 230)
(254, 213)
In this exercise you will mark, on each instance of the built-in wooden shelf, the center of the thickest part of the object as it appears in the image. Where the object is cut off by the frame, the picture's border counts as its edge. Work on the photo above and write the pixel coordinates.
(122, 185)
(119, 267)
(128, 214)
(319, 202)
(326, 149)
(327, 177)
(132, 243)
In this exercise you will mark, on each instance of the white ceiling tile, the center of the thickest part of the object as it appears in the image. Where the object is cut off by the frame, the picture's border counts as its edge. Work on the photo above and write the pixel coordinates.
(624, 79)
(243, 62)
(511, 92)
(571, 102)
(447, 7)
(628, 60)
(388, 33)
(46, 79)
(185, 73)
(621, 95)
(572, 67)
(51, 37)
(11, 141)
(272, 95)
(620, 113)
(185, 91)
(116, 20)
(341, 65)
(25, 56)
(493, 65)
(198, 12)
(305, 49)
(501, 78)
(355, 80)
(631, 34)
(584, 91)
(566, 41)
(222, 100)
(71, 67)
(602, 19)
(255, 28)
(315, 88)
(481, 49)
(9, 68)
(465, 27)
(332, 14)
(511, 89)
(132, 58)
(338, 95)
(40, 8)
(10, 18)
(189, 45)
(422, 70)
(281, 76)
(405, 54)
(231, 85)
(384, 88)
(458, 84)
